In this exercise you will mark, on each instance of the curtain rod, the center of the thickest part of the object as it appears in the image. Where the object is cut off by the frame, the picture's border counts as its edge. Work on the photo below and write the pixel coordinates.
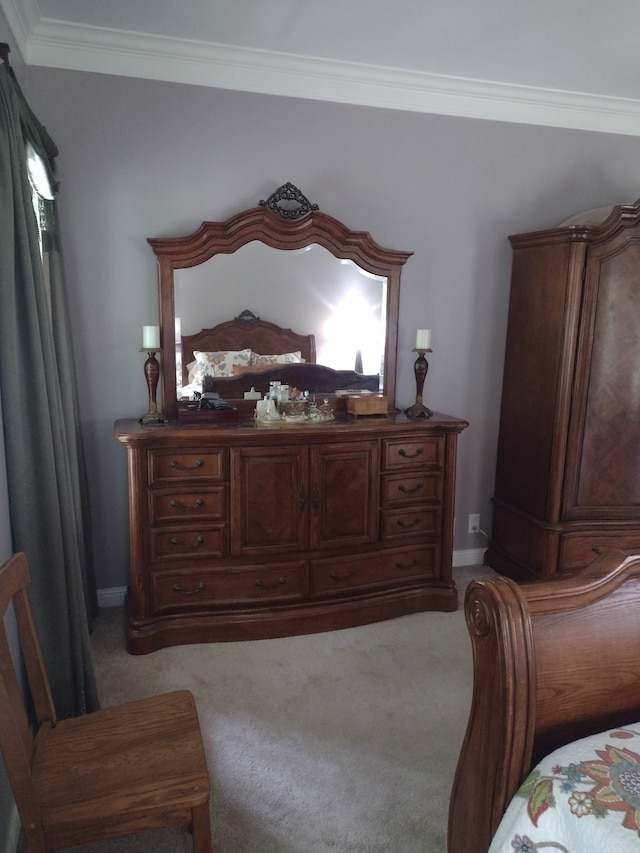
(5, 50)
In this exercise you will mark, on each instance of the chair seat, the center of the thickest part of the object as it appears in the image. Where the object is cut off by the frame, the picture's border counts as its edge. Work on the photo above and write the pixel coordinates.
(97, 771)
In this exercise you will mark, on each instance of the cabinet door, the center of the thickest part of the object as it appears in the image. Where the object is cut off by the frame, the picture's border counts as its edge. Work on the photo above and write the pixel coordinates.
(344, 494)
(269, 498)
(603, 453)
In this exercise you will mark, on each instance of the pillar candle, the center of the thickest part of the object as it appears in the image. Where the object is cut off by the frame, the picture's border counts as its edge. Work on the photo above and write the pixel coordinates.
(151, 338)
(423, 339)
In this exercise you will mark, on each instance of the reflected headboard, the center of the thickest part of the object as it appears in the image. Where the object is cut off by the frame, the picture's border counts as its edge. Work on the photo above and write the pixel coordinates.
(247, 331)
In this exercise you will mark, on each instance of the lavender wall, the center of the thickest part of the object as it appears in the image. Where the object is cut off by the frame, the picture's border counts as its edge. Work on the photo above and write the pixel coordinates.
(143, 158)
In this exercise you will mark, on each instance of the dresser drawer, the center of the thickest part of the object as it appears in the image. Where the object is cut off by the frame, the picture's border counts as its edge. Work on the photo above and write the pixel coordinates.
(173, 506)
(189, 542)
(227, 587)
(410, 521)
(411, 488)
(331, 577)
(404, 453)
(172, 465)
(577, 550)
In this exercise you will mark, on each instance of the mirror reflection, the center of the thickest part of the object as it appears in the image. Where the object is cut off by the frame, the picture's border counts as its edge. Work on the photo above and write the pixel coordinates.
(305, 289)
(318, 288)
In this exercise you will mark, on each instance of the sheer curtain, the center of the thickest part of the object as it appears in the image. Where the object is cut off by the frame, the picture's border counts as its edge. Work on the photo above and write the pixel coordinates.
(48, 503)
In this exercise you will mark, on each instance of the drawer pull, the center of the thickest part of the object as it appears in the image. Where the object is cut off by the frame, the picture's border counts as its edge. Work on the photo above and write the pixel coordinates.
(196, 544)
(270, 586)
(406, 491)
(302, 500)
(336, 577)
(178, 505)
(403, 452)
(406, 525)
(198, 588)
(180, 467)
(410, 565)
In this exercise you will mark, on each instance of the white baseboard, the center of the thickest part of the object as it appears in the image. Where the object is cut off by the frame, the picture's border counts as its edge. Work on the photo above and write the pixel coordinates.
(114, 596)
(470, 557)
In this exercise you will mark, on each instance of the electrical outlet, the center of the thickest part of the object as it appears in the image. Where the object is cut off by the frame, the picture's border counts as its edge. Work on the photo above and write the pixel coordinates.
(474, 523)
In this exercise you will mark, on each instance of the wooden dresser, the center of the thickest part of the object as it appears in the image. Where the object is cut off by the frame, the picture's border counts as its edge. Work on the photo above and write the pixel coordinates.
(568, 471)
(248, 532)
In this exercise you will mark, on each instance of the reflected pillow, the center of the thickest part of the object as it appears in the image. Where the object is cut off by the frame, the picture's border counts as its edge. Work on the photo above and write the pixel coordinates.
(258, 360)
(219, 363)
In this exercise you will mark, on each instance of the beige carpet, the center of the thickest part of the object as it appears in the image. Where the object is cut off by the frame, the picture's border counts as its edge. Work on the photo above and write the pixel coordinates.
(344, 742)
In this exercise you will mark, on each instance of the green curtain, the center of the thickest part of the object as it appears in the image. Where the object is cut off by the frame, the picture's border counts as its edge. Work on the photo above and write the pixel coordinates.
(48, 504)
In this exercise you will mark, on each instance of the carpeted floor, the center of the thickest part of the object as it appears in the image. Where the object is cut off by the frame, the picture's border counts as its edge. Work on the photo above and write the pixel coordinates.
(345, 741)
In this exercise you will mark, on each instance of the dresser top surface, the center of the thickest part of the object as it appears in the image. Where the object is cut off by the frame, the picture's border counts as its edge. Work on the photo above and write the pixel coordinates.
(130, 430)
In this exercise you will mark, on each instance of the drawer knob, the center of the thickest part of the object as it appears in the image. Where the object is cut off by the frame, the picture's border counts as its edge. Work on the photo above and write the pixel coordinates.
(411, 565)
(196, 589)
(407, 491)
(195, 544)
(179, 505)
(336, 577)
(270, 586)
(407, 455)
(406, 525)
(180, 467)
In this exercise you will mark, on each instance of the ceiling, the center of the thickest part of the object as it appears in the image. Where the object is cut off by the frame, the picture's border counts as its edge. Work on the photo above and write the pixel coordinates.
(564, 63)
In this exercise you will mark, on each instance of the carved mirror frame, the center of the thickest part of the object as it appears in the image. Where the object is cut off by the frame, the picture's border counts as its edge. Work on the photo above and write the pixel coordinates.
(287, 221)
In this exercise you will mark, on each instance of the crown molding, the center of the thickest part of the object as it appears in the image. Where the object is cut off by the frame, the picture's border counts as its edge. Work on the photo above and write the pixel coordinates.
(95, 49)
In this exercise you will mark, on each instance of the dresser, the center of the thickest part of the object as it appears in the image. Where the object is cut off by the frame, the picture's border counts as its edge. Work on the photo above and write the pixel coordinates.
(248, 531)
(568, 471)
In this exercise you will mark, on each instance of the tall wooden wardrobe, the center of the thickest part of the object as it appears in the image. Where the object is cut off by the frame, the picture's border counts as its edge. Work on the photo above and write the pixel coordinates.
(568, 471)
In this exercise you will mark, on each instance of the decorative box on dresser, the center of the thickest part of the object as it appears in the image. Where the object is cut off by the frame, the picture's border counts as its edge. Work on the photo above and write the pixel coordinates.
(568, 470)
(247, 532)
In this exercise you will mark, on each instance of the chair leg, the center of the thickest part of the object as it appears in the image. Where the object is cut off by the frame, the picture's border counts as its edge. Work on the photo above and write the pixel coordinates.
(201, 828)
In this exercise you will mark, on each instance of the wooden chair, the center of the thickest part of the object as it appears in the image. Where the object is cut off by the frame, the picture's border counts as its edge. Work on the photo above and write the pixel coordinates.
(133, 767)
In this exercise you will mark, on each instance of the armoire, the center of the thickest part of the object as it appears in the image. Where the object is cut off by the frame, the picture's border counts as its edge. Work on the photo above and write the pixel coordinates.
(567, 481)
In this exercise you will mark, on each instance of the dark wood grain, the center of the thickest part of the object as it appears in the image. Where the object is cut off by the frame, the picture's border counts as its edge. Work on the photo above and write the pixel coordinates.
(287, 529)
(266, 226)
(554, 661)
(568, 467)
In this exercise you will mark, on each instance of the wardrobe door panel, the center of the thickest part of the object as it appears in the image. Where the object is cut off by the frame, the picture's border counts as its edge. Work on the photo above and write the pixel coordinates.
(605, 478)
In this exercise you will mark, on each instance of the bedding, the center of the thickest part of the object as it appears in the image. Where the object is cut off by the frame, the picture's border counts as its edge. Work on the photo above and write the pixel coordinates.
(583, 797)
(218, 363)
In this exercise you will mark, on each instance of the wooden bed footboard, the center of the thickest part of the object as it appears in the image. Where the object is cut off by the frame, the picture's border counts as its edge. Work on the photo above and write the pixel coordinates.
(554, 661)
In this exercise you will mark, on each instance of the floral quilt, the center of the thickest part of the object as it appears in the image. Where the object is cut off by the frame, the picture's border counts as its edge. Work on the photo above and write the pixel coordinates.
(583, 798)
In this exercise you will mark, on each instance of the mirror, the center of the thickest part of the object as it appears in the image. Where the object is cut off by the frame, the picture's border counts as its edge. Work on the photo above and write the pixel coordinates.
(291, 265)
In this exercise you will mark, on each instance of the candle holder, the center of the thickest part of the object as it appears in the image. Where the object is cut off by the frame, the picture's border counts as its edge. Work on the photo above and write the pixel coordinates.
(152, 373)
(420, 368)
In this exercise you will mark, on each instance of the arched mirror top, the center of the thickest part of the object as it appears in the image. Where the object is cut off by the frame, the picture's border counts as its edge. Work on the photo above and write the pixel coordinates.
(283, 298)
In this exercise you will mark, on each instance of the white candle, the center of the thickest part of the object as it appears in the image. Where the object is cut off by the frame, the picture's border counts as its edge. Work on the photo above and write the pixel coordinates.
(151, 338)
(423, 339)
